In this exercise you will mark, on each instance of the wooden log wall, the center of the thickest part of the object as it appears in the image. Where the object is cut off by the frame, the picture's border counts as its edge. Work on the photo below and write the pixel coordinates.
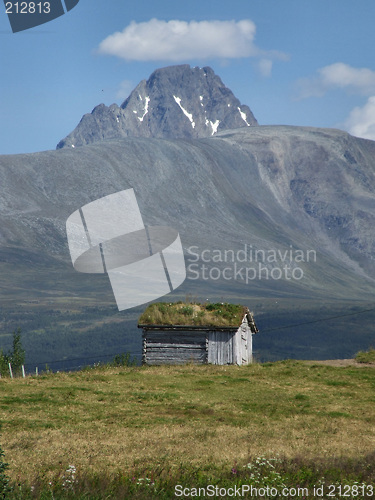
(179, 346)
(174, 347)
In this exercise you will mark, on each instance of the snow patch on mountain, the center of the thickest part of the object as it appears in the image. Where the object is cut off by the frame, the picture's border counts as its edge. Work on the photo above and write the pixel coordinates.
(188, 115)
(244, 117)
(214, 126)
(147, 100)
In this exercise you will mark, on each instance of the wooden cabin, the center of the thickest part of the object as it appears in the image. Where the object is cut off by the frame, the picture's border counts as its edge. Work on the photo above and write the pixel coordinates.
(178, 333)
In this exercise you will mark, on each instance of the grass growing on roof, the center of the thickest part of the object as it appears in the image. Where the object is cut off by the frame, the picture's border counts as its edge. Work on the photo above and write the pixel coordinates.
(183, 313)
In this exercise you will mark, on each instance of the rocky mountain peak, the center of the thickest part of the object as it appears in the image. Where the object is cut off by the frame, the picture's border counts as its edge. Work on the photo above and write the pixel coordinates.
(175, 102)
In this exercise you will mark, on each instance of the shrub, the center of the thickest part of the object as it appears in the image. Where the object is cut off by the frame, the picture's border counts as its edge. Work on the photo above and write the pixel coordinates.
(187, 311)
(4, 480)
(123, 359)
(4, 360)
(18, 353)
(16, 357)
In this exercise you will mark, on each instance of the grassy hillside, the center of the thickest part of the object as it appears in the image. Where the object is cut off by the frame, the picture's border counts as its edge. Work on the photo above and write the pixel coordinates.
(194, 424)
(67, 334)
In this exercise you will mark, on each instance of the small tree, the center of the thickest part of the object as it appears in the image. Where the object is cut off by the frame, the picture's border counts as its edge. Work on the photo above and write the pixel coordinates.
(4, 360)
(4, 479)
(18, 354)
(16, 357)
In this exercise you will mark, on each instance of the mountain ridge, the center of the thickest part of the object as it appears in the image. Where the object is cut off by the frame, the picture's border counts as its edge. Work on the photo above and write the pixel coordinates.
(175, 102)
(262, 185)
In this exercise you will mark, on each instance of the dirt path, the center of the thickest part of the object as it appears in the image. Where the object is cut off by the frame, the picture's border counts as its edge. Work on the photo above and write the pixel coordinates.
(342, 362)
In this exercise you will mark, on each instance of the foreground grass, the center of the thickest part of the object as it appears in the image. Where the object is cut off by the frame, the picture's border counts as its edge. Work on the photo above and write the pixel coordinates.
(196, 424)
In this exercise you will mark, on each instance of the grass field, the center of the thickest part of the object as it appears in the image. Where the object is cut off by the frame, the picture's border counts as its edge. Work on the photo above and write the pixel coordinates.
(188, 423)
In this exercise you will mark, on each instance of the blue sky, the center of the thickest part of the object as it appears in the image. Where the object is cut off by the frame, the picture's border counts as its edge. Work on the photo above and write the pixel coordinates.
(293, 62)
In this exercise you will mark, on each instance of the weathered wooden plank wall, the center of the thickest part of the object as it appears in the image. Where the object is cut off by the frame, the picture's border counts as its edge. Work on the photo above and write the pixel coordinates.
(242, 347)
(220, 348)
(171, 347)
(178, 346)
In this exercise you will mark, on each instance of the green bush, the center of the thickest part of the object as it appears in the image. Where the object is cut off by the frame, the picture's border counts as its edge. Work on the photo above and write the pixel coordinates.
(18, 353)
(4, 360)
(4, 480)
(16, 357)
(124, 359)
(187, 311)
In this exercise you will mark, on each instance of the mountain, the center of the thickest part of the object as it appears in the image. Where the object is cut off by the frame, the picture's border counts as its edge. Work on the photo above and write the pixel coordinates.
(278, 218)
(272, 187)
(175, 102)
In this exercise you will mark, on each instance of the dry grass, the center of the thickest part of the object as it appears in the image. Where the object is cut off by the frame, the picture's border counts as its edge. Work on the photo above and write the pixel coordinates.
(190, 313)
(119, 418)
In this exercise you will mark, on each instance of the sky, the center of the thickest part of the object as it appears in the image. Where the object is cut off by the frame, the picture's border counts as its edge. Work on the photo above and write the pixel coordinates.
(293, 62)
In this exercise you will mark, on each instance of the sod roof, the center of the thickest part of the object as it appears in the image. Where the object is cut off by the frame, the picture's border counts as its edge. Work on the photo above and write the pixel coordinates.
(193, 314)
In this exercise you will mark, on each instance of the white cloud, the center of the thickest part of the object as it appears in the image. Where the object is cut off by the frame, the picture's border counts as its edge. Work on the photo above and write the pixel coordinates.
(265, 67)
(361, 120)
(177, 41)
(338, 76)
(358, 81)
